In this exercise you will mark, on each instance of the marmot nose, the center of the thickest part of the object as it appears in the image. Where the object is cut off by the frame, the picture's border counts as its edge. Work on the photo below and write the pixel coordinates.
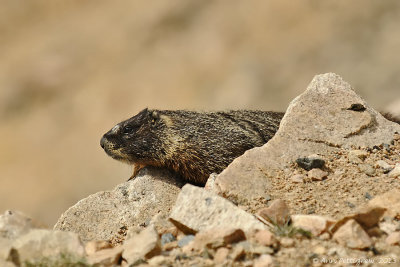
(102, 142)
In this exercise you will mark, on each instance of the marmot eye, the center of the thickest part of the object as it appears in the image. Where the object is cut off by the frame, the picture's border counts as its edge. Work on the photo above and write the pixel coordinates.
(127, 129)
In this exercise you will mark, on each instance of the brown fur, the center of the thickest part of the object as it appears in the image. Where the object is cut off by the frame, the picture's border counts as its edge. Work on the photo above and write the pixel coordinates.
(193, 144)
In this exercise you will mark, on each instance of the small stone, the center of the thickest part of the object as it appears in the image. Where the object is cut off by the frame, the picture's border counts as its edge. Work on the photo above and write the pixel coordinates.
(264, 261)
(96, 245)
(221, 255)
(367, 169)
(106, 257)
(167, 238)
(310, 162)
(286, 242)
(357, 156)
(320, 250)
(325, 236)
(352, 235)
(317, 174)
(185, 240)
(159, 260)
(265, 238)
(313, 223)
(393, 238)
(368, 196)
(5, 248)
(383, 164)
(389, 201)
(297, 178)
(143, 245)
(276, 213)
(217, 237)
(395, 172)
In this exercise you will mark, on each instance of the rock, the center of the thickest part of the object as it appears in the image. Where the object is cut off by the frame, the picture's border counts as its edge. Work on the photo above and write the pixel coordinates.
(315, 224)
(221, 255)
(251, 250)
(352, 235)
(321, 120)
(383, 164)
(14, 224)
(143, 245)
(109, 215)
(277, 213)
(393, 238)
(320, 250)
(310, 162)
(389, 201)
(158, 261)
(198, 210)
(368, 217)
(286, 242)
(106, 257)
(95, 245)
(395, 172)
(167, 238)
(264, 261)
(367, 169)
(265, 238)
(317, 174)
(357, 156)
(217, 237)
(297, 178)
(42, 243)
(185, 240)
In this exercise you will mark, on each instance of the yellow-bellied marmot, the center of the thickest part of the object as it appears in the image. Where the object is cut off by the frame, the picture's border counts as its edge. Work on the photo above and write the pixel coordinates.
(193, 144)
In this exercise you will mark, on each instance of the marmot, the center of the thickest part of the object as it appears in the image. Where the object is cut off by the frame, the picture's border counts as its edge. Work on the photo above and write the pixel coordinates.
(192, 144)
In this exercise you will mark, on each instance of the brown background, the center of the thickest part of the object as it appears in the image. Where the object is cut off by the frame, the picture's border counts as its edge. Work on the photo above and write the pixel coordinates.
(70, 70)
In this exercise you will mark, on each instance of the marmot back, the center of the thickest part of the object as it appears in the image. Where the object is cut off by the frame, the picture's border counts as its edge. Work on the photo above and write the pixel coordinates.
(193, 144)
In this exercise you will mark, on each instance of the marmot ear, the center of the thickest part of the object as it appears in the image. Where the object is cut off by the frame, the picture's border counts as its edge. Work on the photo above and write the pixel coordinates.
(154, 116)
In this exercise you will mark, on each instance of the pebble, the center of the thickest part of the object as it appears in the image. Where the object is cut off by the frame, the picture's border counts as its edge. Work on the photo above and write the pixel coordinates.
(311, 162)
(287, 242)
(395, 172)
(185, 240)
(357, 156)
(367, 169)
(317, 174)
(264, 261)
(167, 238)
(297, 178)
(320, 250)
(221, 255)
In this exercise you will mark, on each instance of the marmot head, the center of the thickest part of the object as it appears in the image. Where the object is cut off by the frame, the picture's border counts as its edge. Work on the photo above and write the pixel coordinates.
(137, 139)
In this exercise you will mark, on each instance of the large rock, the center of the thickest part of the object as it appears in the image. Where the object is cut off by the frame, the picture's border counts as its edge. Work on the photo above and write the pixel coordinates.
(198, 210)
(109, 215)
(14, 224)
(143, 245)
(327, 116)
(42, 243)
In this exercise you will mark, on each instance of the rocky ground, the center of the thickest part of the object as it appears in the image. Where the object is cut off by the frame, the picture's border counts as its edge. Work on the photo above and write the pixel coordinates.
(325, 191)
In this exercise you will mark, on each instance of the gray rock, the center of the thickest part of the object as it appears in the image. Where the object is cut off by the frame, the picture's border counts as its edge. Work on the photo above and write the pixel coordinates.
(143, 245)
(185, 240)
(197, 210)
(309, 163)
(14, 224)
(319, 121)
(109, 215)
(42, 243)
(167, 238)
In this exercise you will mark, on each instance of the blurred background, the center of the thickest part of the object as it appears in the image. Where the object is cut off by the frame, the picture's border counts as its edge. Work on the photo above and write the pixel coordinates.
(70, 70)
